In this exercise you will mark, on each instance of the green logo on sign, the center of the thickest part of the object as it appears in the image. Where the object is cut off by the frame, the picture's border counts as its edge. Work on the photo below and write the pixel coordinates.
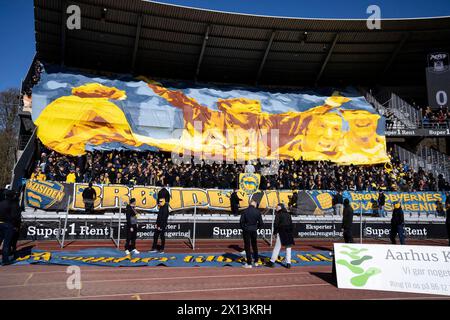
(354, 265)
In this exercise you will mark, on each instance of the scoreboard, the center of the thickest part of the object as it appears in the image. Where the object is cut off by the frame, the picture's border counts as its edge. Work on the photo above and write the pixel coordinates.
(438, 79)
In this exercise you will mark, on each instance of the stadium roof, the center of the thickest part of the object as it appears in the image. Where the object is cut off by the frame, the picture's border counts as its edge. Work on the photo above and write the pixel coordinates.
(170, 41)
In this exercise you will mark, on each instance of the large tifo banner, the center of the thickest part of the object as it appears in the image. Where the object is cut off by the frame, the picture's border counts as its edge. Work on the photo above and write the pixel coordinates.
(54, 196)
(418, 269)
(76, 112)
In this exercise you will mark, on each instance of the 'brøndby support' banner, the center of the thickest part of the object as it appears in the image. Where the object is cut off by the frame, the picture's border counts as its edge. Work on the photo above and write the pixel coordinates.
(53, 196)
(418, 269)
(412, 202)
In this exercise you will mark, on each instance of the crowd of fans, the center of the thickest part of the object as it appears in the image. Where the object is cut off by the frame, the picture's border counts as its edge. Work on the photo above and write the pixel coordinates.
(437, 118)
(158, 169)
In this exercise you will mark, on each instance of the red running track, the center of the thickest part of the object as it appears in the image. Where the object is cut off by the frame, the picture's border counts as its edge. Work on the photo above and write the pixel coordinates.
(190, 283)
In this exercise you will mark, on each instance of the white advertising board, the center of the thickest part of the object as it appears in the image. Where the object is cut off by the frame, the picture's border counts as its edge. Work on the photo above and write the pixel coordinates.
(418, 269)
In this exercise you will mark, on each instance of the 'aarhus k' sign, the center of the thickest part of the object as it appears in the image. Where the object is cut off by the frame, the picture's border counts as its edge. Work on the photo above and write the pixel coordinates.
(418, 269)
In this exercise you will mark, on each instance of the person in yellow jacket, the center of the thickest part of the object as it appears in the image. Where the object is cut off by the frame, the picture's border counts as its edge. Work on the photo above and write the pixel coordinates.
(38, 175)
(71, 177)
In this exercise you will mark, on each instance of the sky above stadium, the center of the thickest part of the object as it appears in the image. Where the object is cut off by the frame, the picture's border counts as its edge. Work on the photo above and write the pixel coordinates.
(17, 21)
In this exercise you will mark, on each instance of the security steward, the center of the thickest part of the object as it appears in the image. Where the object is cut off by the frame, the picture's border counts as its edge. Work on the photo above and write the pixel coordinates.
(234, 202)
(131, 215)
(283, 228)
(8, 217)
(161, 220)
(347, 221)
(89, 196)
(447, 220)
(251, 221)
(397, 224)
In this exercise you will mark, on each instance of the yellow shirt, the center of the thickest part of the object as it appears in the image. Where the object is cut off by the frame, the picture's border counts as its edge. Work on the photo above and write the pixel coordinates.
(39, 177)
(71, 178)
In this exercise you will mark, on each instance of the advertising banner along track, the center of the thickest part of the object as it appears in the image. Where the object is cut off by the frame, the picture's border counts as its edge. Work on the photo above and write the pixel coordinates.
(78, 229)
(419, 269)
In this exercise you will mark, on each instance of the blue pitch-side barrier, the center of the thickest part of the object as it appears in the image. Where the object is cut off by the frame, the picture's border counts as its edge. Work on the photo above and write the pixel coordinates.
(115, 258)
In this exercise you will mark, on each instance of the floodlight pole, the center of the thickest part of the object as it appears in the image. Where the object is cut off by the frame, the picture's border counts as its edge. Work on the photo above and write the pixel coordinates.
(273, 222)
(65, 222)
(120, 220)
(360, 223)
(195, 225)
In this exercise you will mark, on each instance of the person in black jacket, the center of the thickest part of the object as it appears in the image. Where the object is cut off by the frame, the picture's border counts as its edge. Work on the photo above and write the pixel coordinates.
(234, 202)
(7, 220)
(89, 196)
(293, 202)
(381, 203)
(397, 224)
(347, 221)
(165, 195)
(130, 244)
(16, 212)
(284, 231)
(161, 221)
(447, 221)
(251, 221)
(338, 203)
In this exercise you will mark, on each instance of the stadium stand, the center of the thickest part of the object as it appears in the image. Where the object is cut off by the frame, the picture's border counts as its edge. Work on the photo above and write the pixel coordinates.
(158, 169)
(213, 49)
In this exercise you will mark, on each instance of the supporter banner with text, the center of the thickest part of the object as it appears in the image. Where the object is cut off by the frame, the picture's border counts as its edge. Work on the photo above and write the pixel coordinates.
(76, 112)
(48, 195)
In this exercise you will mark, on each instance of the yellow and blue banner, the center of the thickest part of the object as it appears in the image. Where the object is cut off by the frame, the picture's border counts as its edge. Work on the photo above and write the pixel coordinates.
(115, 258)
(53, 196)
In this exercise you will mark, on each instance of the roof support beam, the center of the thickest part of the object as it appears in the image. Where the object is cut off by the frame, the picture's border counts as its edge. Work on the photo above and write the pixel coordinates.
(63, 30)
(202, 52)
(136, 42)
(266, 53)
(325, 62)
(395, 53)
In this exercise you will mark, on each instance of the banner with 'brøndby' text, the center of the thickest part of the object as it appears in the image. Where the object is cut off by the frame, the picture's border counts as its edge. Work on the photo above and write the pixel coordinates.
(418, 269)
(53, 196)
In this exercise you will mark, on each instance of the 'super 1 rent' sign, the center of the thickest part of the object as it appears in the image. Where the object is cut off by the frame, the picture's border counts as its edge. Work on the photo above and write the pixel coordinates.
(418, 269)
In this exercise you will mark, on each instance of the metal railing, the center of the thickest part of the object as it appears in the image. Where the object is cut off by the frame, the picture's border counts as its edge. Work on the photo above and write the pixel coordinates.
(404, 111)
(428, 159)
(402, 114)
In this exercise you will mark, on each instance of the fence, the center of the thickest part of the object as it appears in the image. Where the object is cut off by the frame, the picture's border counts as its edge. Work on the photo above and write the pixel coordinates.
(401, 115)
(426, 158)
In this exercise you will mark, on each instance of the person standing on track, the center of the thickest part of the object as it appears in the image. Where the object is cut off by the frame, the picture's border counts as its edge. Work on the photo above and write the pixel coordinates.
(130, 244)
(337, 202)
(161, 221)
(397, 224)
(381, 203)
(447, 219)
(7, 224)
(284, 231)
(234, 202)
(89, 196)
(251, 221)
(347, 221)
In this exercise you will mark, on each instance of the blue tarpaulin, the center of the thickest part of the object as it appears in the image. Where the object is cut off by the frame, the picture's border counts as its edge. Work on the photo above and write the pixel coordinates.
(115, 258)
